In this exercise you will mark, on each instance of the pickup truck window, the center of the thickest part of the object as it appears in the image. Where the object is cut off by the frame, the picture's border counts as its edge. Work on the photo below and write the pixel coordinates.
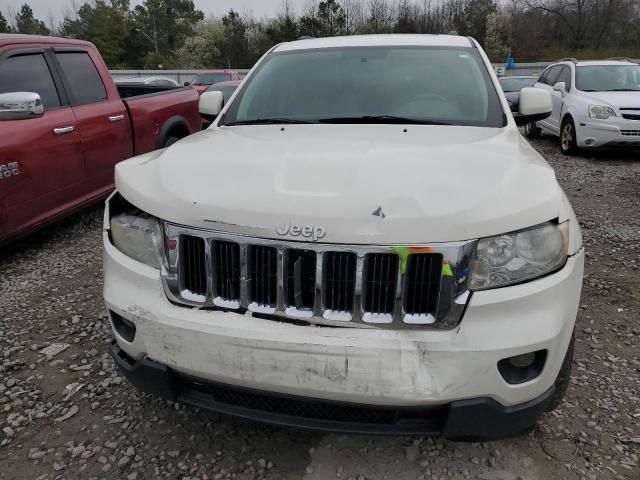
(82, 75)
(29, 73)
(443, 85)
(608, 78)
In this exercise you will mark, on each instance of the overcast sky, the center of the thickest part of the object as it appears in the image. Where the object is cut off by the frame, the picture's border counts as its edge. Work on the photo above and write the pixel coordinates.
(43, 9)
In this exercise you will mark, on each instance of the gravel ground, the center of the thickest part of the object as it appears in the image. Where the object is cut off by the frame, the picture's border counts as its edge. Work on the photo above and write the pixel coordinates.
(51, 293)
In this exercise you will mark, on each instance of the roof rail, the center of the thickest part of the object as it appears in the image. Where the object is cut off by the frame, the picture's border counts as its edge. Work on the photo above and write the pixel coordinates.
(306, 37)
(621, 59)
(568, 59)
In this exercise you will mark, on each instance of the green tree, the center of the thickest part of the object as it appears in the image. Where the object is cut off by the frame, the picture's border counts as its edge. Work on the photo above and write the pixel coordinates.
(204, 49)
(27, 23)
(236, 46)
(331, 17)
(165, 24)
(106, 25)
(498, 40)
(471, 18)
(4, 25)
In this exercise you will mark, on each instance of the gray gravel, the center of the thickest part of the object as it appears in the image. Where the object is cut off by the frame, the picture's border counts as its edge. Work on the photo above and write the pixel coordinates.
(102, 428)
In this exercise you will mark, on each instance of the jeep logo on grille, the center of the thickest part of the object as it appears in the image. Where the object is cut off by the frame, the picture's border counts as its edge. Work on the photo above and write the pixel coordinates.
(314, 232)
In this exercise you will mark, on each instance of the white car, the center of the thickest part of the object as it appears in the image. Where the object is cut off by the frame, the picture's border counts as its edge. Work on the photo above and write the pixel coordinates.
(595, 104)
(362, 242)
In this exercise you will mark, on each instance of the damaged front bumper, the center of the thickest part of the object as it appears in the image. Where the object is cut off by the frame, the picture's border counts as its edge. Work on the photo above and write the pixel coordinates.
(471, 419)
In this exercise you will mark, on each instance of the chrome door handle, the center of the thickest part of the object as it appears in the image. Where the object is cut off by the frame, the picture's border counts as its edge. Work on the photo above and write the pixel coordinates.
(63, 130)
(116, 118)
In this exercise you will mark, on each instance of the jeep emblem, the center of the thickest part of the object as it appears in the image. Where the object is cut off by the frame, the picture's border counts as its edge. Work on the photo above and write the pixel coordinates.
(314, 232)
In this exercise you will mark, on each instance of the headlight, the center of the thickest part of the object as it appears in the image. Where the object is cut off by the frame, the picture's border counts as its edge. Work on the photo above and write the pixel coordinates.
(517, 257)
(139, 236)
(601, 111)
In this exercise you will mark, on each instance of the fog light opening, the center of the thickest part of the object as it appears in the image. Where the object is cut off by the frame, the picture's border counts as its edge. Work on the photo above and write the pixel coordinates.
(124, 327)
(522, 368)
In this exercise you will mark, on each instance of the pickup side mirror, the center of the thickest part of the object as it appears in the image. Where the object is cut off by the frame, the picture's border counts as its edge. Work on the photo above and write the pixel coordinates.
(20, 106)
(186, 84)
(560, 87)
(211, 104)
(535, 104)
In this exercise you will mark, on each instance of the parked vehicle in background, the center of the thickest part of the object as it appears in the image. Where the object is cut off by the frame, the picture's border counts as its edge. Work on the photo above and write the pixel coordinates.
(64, 125)
(383, 253)
(511, 87)
(595, 104)
(203, 80)
(227, 89)
(157, 81)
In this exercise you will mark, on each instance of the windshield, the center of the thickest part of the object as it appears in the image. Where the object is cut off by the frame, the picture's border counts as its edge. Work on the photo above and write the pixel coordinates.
(210, 78)
(517, 84)
(444, 85)
(608, 78)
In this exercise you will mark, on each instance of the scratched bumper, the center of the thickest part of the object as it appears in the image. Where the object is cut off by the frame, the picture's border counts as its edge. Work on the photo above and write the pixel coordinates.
(362, 366)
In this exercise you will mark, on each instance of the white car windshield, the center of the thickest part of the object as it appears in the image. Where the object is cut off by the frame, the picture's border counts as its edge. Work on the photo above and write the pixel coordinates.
(608, 78)
(423, 85)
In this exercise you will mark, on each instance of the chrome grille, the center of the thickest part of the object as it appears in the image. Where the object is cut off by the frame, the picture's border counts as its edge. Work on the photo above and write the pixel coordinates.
(630, 133)
(358, 285)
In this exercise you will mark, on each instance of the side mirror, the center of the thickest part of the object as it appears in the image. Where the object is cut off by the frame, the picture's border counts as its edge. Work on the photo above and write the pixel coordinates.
(535, 104)
(560, 87)
(211, 104)
(20, 106)
(186, 84)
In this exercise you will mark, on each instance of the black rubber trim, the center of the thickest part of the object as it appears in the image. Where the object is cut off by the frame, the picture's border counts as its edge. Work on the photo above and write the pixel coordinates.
(472, 419)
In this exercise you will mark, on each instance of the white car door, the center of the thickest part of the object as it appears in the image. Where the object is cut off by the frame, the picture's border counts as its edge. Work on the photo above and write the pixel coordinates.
(547, 81)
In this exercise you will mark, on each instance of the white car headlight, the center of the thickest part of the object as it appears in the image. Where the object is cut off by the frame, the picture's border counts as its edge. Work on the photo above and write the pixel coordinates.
(601, 111)
(520, 256)
(139, 236)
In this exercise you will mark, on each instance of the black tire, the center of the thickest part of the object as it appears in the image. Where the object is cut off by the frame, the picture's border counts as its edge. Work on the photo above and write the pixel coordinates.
(531, 130)
(564, 377)
(170, 141)
(568, 139)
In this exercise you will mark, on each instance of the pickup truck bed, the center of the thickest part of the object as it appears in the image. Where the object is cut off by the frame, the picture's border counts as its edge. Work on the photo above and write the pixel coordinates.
(56, 162)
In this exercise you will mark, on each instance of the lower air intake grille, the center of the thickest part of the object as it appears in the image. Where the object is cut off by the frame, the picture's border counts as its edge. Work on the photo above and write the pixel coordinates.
(380, 281)
(193, 269)
(422, 283)
(340, 281)
(263, 275)
(226, 268)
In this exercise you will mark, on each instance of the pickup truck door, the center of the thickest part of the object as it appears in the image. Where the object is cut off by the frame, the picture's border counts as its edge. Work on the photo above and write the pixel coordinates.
(41, 159)
(101, 115)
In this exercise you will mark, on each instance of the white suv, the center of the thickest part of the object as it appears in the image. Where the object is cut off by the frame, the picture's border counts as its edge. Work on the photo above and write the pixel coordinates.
(595, 104)
(362, 241)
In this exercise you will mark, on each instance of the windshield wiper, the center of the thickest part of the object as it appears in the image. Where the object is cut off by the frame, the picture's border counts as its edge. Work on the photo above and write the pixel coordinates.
(264, 121)
(381, 119)
(623, 90)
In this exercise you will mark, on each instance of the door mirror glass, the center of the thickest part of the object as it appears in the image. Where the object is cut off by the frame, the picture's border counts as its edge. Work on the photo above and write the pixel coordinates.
(560, 87)
(535, 104)
(20, 106)
(186, 84)
(211, 104)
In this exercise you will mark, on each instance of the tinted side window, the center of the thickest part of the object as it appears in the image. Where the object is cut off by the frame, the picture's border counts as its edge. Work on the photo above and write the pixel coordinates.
(82, 75)
(29, 73)
(565, 76)
(552, 75)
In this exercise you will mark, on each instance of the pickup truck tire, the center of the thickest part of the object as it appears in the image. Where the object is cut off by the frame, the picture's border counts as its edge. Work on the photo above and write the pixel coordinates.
(531, 130)
(564, 376)
(568, 140)
(170, 141)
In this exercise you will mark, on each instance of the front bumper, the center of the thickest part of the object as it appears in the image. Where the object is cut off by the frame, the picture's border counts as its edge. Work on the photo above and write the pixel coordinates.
(395, 369)
(472, 419)
(612, 132)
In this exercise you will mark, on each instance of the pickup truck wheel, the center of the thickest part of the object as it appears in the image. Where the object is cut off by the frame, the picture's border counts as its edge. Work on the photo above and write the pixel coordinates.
(531, 130)
(568, 143)
(170, 141)
(564, 376)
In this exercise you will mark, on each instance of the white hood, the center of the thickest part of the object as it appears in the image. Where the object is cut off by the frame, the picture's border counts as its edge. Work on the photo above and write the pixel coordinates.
(616, 99)
(430, 183)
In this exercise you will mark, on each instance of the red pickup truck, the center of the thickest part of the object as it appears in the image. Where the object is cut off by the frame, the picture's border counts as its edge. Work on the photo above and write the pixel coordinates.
(64, 125)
